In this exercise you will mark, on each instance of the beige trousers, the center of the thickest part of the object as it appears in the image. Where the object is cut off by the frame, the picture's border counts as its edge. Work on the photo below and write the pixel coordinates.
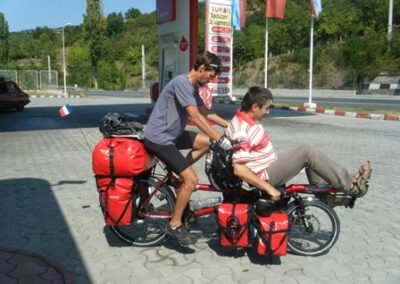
(319, 168)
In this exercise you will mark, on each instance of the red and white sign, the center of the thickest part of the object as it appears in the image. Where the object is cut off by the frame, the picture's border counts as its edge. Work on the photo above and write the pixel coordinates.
(166, 11)
(219, 40)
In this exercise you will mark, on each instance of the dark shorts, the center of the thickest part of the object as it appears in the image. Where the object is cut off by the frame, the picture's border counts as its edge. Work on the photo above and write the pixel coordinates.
(170, 154)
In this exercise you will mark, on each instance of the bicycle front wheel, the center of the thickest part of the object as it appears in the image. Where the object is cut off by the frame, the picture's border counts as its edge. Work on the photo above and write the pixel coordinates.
(148, 226)
(314, 230)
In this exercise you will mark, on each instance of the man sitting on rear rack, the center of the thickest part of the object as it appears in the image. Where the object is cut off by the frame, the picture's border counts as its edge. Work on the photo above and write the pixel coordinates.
(255, 161)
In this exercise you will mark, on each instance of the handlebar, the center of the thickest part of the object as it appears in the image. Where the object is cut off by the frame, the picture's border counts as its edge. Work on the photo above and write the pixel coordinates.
(215, 146)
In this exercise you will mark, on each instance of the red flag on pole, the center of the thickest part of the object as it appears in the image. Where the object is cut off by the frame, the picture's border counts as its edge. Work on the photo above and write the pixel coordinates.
(243, 7)
(275, 9)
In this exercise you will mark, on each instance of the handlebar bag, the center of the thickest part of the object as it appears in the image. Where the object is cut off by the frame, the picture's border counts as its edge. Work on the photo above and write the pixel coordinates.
(233, 224)
(272, 234)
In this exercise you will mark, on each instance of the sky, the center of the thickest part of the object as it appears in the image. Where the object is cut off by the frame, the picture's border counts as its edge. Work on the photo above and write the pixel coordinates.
(29, 14)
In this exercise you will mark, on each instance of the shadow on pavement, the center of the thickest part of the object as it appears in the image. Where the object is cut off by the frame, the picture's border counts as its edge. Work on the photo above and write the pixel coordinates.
(87, 116)
(31, 220)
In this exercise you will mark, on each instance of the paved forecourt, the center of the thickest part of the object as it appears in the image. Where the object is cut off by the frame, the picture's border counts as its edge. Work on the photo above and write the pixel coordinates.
(49, 203)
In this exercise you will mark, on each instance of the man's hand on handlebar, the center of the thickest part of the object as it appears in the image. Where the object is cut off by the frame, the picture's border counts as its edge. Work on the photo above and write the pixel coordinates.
(275, 195)
(225, 143)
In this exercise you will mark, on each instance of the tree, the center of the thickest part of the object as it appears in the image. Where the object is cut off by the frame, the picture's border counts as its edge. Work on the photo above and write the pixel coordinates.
(115, 24)
(4, 35)
(133, 57)
(79, 65)
(94, 26)
(132, 13)
(340, 20)
(364, 56)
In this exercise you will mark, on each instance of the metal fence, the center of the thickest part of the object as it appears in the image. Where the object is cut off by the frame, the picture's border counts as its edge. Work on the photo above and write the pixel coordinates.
(32, 79)
(45, 80)
(294, 81)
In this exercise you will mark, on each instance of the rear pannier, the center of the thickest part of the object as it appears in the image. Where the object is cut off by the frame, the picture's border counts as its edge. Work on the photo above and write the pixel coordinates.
(129, 157)
(117, 163)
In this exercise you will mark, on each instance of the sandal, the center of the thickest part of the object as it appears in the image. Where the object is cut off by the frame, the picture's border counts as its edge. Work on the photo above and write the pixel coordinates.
(366, 170)
(361, 182)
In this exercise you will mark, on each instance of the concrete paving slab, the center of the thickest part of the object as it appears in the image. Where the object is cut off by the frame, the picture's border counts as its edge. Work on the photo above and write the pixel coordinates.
(49, 203)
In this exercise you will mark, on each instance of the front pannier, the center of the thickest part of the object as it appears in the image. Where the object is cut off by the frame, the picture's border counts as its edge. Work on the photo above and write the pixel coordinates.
(273, 234)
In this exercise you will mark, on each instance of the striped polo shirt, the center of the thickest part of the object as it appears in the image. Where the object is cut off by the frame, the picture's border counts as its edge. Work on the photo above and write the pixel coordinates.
(255, 148)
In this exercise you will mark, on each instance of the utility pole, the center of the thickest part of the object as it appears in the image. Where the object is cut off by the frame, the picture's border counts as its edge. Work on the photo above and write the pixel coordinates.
(49, 70)
(143, 69)
(63, 53)
(390, 21)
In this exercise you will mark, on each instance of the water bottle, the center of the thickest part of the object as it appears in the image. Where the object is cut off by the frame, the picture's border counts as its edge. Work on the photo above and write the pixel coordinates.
(206, 202)
(209, 158)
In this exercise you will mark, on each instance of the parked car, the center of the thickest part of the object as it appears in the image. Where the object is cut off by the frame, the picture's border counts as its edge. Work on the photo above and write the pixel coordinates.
(11, 96)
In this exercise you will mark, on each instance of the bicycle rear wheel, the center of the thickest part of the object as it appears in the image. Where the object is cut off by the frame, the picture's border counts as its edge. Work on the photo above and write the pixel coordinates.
(313, 232)
(148, 226)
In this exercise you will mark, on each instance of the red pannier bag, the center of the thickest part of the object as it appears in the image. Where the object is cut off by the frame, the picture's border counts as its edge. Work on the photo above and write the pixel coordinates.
(129, 157)
(273, 234)
(116, 198)
(233, 222)
(116, 163)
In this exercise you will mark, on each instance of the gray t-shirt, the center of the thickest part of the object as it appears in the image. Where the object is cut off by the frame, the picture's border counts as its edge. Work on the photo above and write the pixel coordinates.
(169, 117)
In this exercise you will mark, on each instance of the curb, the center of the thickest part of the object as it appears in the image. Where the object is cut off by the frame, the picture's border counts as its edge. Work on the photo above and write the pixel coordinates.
(390, 117)
(57, 97)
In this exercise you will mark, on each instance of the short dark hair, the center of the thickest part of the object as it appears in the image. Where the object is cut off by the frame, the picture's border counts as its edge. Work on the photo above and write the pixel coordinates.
(257, 95)
(210, 60)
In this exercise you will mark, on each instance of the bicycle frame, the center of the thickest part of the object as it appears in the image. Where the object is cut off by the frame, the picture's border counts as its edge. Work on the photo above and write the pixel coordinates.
(291, 190)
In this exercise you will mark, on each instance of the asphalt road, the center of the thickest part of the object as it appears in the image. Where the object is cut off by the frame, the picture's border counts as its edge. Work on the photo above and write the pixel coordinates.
(362, 101)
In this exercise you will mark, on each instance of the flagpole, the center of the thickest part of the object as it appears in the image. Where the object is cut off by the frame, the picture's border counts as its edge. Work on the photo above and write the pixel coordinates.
(233, 98)
(310, 104)
(266, 54)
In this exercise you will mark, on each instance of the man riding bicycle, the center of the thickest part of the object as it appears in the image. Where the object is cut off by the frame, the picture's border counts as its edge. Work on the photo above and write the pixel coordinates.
(165, 133)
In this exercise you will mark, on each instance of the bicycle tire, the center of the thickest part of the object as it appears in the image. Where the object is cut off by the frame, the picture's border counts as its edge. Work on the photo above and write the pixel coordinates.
(149, 231)
(315, 241)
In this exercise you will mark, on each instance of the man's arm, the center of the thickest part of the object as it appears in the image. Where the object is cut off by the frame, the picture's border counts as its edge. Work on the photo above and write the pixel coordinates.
(201, 122)
(212, 116)
(244, 173)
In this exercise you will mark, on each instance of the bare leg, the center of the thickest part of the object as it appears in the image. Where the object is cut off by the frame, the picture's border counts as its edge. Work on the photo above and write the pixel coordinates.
(190, 180)
(200, 147)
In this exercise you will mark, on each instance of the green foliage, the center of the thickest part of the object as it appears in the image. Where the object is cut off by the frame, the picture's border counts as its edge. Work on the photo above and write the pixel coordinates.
(364, 55)
(79, 67)
(340, 19)
(133, 57)
(350, 35)
(94, 28)
(109, 77)
(132, 13)
(115, 24)
(4, 37)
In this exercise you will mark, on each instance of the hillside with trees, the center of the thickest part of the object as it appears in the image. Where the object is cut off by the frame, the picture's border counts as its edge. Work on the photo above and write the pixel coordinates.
(351, 45)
